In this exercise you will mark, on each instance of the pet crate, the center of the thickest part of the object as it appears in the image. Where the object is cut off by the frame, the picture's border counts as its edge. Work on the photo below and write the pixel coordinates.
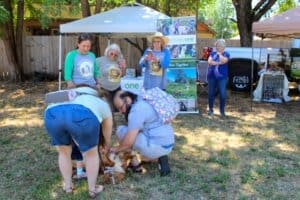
(240, 74)
(272, 89)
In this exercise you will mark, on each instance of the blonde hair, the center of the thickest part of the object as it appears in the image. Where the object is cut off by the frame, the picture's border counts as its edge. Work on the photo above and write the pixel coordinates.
(162, 42)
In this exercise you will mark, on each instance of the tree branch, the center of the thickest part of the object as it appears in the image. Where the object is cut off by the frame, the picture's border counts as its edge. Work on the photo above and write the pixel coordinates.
(258, 5)
(262, 10)
(136, 45)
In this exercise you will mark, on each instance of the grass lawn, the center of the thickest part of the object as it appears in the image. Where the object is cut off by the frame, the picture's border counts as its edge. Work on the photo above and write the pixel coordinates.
(249, 155)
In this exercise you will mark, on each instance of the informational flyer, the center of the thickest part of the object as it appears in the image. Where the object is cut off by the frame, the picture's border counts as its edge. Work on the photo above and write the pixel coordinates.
(181, 74)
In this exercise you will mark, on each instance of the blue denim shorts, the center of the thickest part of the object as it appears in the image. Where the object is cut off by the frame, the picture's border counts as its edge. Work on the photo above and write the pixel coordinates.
(68, 121)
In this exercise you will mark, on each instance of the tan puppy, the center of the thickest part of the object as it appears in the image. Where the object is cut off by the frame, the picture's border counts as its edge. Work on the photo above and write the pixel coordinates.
(116, 173)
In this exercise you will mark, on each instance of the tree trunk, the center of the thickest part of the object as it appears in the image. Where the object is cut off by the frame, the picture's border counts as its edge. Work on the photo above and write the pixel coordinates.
(98, 6)
(12, 73)
(244, 18)
(19, 37)
(10, 45)
(85, 8)
(167, 8)
(96, 48)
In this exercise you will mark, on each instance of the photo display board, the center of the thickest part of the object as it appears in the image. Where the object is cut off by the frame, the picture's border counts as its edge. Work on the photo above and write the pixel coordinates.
(181, 74)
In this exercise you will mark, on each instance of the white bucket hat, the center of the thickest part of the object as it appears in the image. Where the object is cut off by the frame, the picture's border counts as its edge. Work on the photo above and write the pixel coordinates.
(158, 35)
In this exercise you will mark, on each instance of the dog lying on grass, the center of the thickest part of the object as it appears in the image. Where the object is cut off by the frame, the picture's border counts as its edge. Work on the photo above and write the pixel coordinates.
(113, 166)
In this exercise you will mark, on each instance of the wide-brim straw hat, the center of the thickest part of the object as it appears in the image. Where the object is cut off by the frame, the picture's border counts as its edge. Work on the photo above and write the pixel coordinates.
(158, 35)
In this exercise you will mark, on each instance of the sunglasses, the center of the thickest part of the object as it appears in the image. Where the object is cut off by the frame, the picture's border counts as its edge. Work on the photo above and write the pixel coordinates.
(124, 104)
(156, 41)
(113, 54)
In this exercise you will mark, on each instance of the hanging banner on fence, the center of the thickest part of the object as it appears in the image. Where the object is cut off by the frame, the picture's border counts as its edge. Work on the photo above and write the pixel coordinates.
(181, 74)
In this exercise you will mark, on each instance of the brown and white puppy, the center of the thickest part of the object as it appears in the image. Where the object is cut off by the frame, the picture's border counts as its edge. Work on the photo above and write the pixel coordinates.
(114, 167)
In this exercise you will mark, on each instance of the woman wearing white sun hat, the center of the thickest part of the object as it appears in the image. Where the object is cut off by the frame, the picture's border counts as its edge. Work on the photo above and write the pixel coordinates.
(156, 60)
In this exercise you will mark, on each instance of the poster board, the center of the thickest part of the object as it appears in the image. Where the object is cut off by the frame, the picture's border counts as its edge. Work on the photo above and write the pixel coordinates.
(181, 74)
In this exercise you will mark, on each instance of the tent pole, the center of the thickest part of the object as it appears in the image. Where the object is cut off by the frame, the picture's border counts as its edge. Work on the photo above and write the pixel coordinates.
(252, 66)
(59, 63)
(261, 41)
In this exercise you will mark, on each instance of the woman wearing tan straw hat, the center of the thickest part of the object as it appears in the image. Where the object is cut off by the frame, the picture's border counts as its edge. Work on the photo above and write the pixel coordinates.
(156, 60)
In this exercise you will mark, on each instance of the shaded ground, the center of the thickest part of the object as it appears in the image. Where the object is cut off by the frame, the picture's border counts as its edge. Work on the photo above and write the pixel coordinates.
(252, 154)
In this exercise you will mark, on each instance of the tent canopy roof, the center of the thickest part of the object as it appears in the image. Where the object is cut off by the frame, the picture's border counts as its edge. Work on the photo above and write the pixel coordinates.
(285, 24)
(126, 21)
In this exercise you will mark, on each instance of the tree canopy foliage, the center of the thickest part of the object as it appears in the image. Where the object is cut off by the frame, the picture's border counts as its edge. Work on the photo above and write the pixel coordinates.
(4, 15)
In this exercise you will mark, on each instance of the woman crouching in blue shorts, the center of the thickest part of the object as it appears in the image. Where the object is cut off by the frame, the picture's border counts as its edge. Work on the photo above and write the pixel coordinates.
(79, 120)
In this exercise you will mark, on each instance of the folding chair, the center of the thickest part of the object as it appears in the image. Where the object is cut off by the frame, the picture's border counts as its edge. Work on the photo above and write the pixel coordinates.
(202, 67)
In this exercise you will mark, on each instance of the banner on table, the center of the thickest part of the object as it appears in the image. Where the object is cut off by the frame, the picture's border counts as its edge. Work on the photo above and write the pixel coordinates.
(132, 84)
(181, 74)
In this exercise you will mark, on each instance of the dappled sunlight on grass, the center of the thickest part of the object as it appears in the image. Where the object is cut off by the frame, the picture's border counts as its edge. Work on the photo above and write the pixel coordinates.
(57, 189)
(54, 194)
(288, 148)
(30, 122)
(247, 155)
(20, 117)
(17, 94)
(23, 134)
(248, 190)
(220, 139)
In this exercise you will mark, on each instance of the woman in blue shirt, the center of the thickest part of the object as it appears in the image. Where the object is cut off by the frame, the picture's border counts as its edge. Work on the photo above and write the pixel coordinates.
(217, 76)
(156, 60)
(144, 133)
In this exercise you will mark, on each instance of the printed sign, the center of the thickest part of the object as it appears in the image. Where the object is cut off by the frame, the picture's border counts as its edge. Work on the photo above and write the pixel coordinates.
(181, 74)
(133, 85)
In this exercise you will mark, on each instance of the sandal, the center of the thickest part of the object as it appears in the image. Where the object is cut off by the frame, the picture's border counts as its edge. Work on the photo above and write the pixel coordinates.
(94, 193)
(136, 168)
(69, 190)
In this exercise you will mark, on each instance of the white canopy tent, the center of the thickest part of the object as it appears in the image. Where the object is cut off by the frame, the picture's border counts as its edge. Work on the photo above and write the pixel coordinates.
(132, 20)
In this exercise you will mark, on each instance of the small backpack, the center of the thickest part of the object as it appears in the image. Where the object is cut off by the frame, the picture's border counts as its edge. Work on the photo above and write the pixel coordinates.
(163, 103)
(64, 95)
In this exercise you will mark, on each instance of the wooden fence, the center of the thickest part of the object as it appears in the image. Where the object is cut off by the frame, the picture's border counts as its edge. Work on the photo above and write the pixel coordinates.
(41, 53)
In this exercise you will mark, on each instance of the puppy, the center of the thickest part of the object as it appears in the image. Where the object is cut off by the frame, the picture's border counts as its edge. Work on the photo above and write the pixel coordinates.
(105, 160)
(116, 173)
